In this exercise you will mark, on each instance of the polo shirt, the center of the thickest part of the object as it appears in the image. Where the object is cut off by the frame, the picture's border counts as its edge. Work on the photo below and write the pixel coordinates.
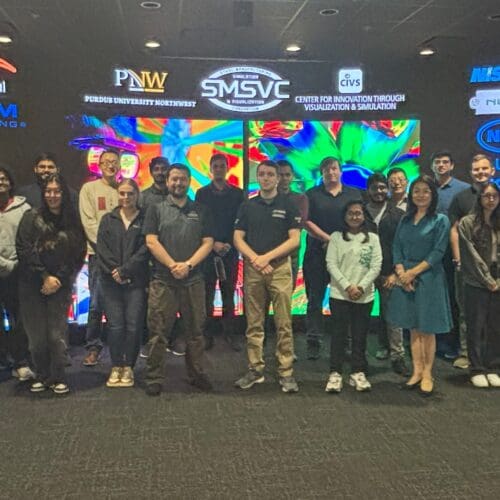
(325, 210)
(151, 196)
(180, 230)
(447, 192)
(266, 222)
(223, 204)
(462, 204)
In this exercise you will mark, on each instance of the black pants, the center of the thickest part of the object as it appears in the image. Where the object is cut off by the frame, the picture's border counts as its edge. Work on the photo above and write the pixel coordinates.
(45, 320)
(14, 342)
(227, 287)
(482, 315)
(349, 316)
(93, 335)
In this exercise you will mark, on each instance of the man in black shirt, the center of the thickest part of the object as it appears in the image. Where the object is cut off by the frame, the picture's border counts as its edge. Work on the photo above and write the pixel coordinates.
(326, 204)
(157, 192)
(221, 265)
(179, 236)
(267, 231)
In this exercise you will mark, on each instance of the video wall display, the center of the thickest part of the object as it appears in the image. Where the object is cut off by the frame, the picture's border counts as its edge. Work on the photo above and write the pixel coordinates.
(363, 147)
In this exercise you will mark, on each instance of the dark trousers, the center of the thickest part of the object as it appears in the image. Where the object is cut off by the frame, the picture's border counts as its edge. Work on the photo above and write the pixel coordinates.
(124, 308)
(482, 314)
(227, 287)
(164, 302)
(45, 320)
(349, 316)
(94, 321)
(13, 342)
(316, 279)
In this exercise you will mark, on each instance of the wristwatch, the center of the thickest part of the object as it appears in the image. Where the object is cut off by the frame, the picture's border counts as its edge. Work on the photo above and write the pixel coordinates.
(190, 266)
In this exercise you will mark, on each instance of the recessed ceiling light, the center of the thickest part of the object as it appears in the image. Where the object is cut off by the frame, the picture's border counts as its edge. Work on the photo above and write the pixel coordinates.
(150, 5)
(5, 39)
(293, 47)
(494, 17)
(328, 12)
(427, 51)
(152, 44)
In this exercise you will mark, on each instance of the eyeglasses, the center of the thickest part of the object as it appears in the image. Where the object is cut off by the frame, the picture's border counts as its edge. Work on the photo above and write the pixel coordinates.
(489, 196)
(354, 214)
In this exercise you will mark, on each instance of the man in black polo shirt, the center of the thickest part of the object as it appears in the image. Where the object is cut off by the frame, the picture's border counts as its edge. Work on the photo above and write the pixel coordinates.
(157, 192)
(223, 200)
(326, 204)
(179, 236)
(482, 171)
(267, 231)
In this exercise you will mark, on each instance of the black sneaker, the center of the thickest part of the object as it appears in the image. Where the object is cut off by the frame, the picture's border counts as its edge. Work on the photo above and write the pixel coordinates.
(313, 351)
(399, 367)
(202, 383)
(153, 389)
(145, 351)
(209, 342)
(234, 342)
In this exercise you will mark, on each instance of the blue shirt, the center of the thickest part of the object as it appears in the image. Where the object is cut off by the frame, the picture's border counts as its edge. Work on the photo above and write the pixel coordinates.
(447, 192)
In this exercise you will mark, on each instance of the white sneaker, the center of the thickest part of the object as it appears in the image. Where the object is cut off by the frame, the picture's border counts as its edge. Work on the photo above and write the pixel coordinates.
(359, 381)
(38, 387)
(493, 379)
(479, 381)
(60, 388)
(334, 383)
(23, 373)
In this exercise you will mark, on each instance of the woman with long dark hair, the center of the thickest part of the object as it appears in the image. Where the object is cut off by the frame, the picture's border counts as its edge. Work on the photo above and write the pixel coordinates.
(479, 239)
(354, 260)
(51, 248)
(420, 303)
(123, 260)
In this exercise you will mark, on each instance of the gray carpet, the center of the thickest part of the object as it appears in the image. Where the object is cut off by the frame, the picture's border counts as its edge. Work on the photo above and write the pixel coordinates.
(121, 444)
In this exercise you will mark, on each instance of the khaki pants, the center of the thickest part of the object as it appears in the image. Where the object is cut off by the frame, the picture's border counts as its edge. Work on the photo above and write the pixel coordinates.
(258, 290)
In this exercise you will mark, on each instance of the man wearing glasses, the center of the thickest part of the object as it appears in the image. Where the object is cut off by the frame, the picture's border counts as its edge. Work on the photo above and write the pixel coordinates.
(97, 198)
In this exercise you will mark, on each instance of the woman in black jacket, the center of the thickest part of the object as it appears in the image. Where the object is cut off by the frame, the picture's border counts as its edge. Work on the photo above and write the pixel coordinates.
(123, 259)
(51, 247)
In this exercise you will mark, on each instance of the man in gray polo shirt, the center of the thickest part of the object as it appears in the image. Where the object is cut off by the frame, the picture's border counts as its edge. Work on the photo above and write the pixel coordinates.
(179, 236)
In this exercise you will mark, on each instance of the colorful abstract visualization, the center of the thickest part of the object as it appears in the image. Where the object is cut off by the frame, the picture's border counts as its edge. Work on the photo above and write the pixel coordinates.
(191, 142)
(363, 147)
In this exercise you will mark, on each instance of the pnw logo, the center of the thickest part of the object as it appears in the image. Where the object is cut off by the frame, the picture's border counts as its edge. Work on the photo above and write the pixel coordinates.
(143, 81)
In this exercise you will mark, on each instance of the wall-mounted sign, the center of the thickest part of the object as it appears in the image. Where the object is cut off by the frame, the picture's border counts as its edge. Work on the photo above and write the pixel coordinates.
(488, 136)
(245, 89)
(359, 102)
(9, 116)
(142, 81)
(5, 67)
(485, 74)
(486, 102)
(350, 81)
(136, 101)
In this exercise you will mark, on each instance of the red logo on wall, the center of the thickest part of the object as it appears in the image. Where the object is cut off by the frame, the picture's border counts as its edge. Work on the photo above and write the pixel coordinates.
(6, 65)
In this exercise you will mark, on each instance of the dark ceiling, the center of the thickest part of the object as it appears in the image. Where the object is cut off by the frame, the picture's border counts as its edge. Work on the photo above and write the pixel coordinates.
(260, 29)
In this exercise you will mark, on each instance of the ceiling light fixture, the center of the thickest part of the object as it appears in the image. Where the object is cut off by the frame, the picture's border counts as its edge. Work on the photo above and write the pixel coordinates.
(494, 17)
(427, 51)
(328, 12)
(293, 47)
(5, 39)
(150, 5)
(152, 44)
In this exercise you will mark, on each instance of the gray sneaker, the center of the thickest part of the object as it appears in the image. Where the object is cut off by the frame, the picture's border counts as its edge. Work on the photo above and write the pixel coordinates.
(288, 384)
(249, 380)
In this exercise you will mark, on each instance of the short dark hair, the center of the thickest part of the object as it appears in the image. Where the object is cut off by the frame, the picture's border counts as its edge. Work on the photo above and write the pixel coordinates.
(268, 163)
(46, 155)
(328, 160)
(6, 171)
(429, 181)
(376, 177)
(285, 163)
(109, 151)
(179, 166)
(441, 153)
(158, 160)
(218, 156)
(396, 170)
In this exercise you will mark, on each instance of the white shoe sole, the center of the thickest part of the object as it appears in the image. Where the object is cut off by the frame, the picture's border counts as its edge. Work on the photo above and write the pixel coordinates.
(256, 381)
(359, 389)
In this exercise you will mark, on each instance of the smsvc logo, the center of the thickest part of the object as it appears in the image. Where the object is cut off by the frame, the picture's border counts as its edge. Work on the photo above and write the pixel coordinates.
(488, 136)
(350, 81)
(144, 81)
(245, 89)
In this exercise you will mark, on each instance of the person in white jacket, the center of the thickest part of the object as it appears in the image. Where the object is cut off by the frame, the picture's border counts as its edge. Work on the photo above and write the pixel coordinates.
(354, 260)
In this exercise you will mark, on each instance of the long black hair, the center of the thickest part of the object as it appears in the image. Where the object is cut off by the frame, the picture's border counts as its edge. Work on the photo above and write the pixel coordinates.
(481, 230)
(412, 208)
(345, 227)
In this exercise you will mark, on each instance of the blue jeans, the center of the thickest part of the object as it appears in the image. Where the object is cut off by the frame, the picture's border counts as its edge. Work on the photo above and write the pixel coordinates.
(93, 341)
(124, 307)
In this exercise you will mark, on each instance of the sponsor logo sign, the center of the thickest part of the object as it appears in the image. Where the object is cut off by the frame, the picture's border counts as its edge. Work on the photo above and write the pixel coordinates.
(485, 74)
(5, 67)
(350, 81)
(486, 102)
(141, 81)
(488, 136)
(9, 116)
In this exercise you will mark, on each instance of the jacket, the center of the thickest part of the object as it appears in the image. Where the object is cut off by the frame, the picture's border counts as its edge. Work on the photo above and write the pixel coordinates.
(9, 222)
(123, 249)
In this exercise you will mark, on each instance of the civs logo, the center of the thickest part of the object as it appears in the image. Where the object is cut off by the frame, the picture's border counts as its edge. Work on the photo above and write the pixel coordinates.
(142, 81)
(245, 89)
(350, 81)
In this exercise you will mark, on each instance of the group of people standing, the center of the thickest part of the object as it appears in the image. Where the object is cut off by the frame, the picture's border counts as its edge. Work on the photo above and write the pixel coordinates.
(156, 257)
